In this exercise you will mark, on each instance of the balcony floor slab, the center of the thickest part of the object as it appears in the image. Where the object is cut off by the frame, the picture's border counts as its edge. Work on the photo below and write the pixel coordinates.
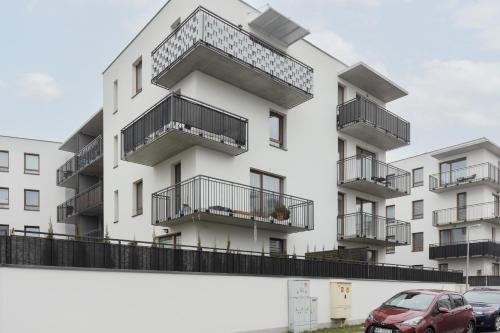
(375, 136)
(374, 188)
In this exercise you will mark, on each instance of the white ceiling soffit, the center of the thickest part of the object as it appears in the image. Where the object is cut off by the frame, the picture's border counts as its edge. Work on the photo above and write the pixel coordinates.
(271, 23)
(466, 147)
(363, 76)
(92, 127)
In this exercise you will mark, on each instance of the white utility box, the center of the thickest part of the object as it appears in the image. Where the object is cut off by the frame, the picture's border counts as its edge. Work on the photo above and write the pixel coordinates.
(299, 306)
(340, 299)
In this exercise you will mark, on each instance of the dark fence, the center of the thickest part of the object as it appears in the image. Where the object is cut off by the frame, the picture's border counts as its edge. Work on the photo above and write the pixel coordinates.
(362, 110)
(486, 248)
(366, 168)
(176, 112)
(484, 281)
(143, 256)
(215, 196)
(90, 198)
(364, 225)
(468, 213)
(471, 174)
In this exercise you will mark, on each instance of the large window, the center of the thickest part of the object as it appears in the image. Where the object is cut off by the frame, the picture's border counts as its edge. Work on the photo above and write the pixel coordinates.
(31, 200)
(264, 201)
(4, 161)
(277, 129)
(32, 164)
(418, 177)
(450, 236)
(418, 242)
(418, 209)
(138, 197)
(138, 76)
(31, 231)
(4, 229)
(4, 198)
(451, 171)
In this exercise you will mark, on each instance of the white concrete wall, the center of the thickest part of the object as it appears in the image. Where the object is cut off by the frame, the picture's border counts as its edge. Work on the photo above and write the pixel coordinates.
(17, 181)
(86, 301)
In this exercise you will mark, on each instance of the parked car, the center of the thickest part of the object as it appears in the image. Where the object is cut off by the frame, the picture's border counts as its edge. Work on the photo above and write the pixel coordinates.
(422, 311)
(485, 303)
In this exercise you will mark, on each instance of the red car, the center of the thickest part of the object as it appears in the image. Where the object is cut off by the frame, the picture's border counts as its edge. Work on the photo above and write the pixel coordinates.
(422, 311)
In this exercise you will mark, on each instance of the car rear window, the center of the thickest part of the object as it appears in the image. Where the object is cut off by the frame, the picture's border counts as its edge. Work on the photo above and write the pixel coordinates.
(488, 297)
(411, 301)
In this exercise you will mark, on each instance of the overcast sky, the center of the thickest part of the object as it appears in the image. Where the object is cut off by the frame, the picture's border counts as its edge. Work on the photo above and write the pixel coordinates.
(446, 53)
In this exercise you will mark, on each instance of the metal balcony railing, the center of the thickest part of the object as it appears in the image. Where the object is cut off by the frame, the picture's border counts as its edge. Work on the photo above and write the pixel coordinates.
(362, 110)
(368, 169)
(202, 194)
(88, 199)
(469, 213)
(358, 226)
(176, 112)
(88, 154)
(471, 174)
(205, 27)
(480, 247)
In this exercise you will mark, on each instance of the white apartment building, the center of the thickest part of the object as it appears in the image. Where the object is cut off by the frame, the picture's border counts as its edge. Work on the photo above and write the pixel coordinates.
(455, 196)
(223, 123)
(28, 192)
(82, 174)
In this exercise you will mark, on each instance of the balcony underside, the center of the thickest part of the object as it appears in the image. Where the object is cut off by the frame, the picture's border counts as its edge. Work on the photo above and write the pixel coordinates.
(375, 136)
(493, 220)
(360, 239)
(374, 188)
(226, 218)
(94, 169)
(92, 212)
(467, 184)
(222, 66)
(173, 142)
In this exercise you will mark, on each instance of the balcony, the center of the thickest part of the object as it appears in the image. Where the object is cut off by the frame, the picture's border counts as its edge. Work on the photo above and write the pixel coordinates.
(479, 174)
(214, 200)
(372, 229)
(478, 248)
(88, 203)
(369, 122)
(483, 212)
(177, 123)
(366, 174)
(206, 42)
(88, 161)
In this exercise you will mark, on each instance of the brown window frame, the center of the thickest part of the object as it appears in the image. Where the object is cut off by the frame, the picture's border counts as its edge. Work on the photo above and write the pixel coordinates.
(5, 168)
(413, 216)
(261, 186)
(340, 88)
(138, 78)
(6, 206)
(31, 171)
(420, 183)
(415, 248)
(139, 203)
(280, 143)
(31, 207)
(282, 241)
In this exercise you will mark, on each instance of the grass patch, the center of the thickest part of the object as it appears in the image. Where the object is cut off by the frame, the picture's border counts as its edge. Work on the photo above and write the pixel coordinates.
(346, 329)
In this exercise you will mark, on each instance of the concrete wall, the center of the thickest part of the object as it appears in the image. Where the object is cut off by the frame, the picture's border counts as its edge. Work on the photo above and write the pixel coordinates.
(105, 301)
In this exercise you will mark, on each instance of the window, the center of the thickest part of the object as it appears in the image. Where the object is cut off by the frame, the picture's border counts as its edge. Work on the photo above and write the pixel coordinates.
(444, 302)
(418, 266)
(138, 76)
(418, 242)
(452, 171)
(462, 206)
(451, 236)
(31, 231)
(493, 234)
(340, 94)
(170, 240)
(262, 203)
(495, 268)
(276, 124)
(4, 161)
(115, 151)
(479, 272)
(371, 256)
(4, 229)
(418, 177)
(32, 164)
(115, 96)
(116, 207)
(418, 209)
(277, 247)
(138, 197)
(443, 267)
(4, 198)
(31, 200)
(390, 214)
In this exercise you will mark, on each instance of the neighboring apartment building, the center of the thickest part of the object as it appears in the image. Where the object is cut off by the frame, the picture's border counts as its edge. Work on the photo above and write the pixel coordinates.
(28, 192)
(82, 174)
(223, 123)
(455, 194)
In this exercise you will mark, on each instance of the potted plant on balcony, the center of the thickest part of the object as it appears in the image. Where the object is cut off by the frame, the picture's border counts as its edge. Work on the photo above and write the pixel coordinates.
(281, 212)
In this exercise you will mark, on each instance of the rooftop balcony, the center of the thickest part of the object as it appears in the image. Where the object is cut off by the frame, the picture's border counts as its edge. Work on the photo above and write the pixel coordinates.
(372, 229)
(478, 248)
(366, 174)
(88, 203)
(369, 122)
(479, 174)
(177, 123)
(206, 42)
(483, 212)
(88, 161)
(220, 201)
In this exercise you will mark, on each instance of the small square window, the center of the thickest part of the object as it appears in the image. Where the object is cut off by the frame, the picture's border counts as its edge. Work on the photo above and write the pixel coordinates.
(31, 231)
(32, 164)
(4, 198)
(418, 209)
(418, 177)
(443, 267)
(4, 161)
(32, 200)
(277, 247)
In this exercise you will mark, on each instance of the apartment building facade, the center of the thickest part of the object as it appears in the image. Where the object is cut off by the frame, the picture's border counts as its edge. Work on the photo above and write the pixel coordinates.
(28, 192)
(222, 118)
(82, 175)
(455, 197)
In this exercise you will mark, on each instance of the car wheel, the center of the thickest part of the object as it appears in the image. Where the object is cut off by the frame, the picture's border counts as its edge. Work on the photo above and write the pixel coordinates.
(429, 330)
(470, 327)
(497, 324)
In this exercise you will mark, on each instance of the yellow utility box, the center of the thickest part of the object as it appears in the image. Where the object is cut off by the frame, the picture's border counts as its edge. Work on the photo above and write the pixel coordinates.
(340, 299)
